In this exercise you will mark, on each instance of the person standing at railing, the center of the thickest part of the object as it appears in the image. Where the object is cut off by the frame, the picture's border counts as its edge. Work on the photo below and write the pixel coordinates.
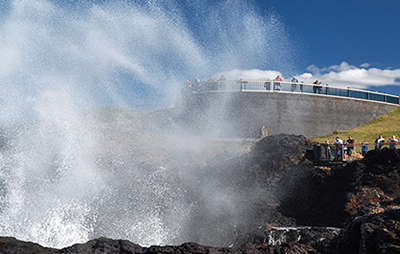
(212, 84)
(315, 86)
(267, 85)
(277, 85)
(320, 87)
(197, 84)
(328, 153)
(350, 147)
(393, 142)
(338, 150)
(294, 85)
(187, 87)
(221, 82)
(378, 142)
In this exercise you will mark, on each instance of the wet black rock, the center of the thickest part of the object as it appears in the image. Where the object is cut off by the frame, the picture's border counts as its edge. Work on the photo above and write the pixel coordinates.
(10, 245)
(317, 237)
(374, 233)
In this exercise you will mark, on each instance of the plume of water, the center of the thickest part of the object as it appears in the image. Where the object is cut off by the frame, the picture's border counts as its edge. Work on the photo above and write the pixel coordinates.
(63, 180)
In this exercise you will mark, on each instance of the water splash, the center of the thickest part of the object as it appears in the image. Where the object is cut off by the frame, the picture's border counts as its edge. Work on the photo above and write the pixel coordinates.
(65, 178)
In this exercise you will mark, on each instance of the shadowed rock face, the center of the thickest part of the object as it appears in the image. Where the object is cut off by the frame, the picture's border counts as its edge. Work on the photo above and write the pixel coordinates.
(105, 245)
(331, 196)
(374, 233)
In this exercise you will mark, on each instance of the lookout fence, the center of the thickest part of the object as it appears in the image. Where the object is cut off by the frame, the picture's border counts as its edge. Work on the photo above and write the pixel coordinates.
(288, 87)
(329, 152)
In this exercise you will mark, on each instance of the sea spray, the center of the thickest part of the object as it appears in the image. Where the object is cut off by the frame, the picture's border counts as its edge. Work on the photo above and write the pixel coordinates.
(67, 176)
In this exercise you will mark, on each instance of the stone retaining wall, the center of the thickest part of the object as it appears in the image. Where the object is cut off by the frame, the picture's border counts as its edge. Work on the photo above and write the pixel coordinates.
(243, 114)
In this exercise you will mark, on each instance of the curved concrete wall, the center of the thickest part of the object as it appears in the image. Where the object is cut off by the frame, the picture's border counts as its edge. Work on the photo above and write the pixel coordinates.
(242, 114)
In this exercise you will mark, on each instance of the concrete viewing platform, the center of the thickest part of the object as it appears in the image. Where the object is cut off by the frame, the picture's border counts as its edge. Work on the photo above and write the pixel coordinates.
(242, 108)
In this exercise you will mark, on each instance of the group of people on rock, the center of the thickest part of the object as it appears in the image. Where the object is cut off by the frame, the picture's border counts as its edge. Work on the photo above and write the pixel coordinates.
(344, 149)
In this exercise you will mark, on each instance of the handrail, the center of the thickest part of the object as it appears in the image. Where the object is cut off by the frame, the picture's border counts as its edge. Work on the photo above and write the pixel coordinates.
(286, 86)
(324, 151)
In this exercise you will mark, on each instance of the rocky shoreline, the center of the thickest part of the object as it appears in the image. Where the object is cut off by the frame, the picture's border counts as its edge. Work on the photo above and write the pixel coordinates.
(302, 209)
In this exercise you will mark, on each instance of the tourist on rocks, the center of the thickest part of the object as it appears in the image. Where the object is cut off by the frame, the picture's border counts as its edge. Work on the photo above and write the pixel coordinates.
(277, 85)
(364, 148)
(294, 85)
(378, 142)
(393, 142)
(338, 150)
(350, 147)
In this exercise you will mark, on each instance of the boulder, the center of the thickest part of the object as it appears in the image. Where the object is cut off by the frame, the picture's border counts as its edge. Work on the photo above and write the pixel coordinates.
(374, 233)
(10, 245)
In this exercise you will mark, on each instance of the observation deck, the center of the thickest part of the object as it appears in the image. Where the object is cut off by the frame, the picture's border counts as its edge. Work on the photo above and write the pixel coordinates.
(289, 87)
(249, 108)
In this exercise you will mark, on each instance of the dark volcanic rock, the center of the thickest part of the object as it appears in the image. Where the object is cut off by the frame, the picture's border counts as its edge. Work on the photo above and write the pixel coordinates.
(317, 237)
(10, 245)
(331, 196)
(374, 233)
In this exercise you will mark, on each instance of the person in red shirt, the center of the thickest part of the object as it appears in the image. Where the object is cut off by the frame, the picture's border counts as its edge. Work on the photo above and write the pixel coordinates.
(277, 85)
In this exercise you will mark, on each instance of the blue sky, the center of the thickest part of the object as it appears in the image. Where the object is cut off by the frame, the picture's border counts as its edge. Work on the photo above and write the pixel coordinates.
(357, 32)
(341, 35)
(59, 56)
(343, 43)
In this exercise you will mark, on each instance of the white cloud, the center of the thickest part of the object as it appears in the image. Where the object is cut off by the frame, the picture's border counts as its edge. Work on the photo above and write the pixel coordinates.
(365, 65)
(342, 75)
(352, 76)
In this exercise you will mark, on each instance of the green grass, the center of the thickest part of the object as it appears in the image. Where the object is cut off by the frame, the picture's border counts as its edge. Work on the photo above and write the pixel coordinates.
(387, 125)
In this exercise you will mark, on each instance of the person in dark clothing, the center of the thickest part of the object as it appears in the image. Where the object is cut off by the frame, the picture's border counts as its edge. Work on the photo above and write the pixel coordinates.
(294, 85)
(378, 142)
(350, 147)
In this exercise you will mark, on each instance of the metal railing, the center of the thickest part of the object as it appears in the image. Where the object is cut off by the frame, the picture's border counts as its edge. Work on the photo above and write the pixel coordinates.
(283, 86)
(339, 152)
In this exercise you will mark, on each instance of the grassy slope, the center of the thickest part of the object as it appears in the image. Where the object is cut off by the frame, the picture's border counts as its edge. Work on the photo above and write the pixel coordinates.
(387, 125)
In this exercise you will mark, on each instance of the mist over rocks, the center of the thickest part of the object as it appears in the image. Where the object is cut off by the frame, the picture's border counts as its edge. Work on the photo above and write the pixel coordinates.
(225, 192)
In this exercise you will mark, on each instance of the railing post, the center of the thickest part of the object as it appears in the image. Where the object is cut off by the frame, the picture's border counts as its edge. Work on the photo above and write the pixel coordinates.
(342, 152)
(348, 92)
(317, 152)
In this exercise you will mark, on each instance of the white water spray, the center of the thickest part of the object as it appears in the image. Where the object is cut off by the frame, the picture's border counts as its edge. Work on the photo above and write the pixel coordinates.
(65, 179)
